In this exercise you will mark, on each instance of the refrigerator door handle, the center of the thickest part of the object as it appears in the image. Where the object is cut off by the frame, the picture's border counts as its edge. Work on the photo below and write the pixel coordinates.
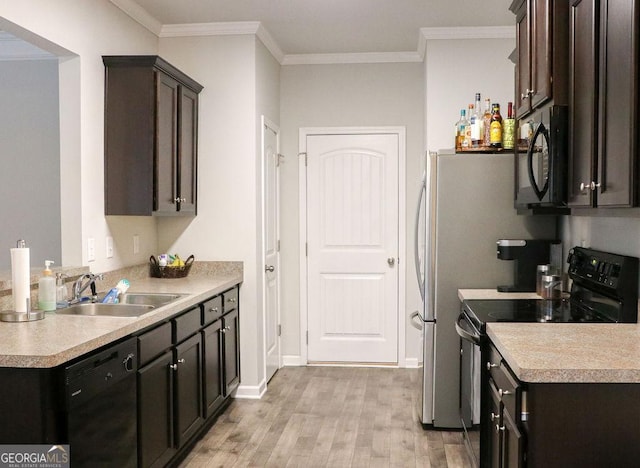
(417, 324)
(416, 246)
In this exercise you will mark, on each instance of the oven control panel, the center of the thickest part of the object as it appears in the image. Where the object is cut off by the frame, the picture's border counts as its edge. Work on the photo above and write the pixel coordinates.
(602, 268)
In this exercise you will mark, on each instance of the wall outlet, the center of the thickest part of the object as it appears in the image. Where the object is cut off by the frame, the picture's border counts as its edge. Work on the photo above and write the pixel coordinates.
(136, 244)
(109, 247)
(91, 249)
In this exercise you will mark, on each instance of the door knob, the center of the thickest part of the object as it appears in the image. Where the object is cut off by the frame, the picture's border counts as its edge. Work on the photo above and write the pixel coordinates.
(391, 261)
(269, 268)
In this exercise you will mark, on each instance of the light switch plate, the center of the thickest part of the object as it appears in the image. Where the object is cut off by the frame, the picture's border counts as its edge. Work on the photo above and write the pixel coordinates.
(109, 247)
(136, 244)
(91, 249)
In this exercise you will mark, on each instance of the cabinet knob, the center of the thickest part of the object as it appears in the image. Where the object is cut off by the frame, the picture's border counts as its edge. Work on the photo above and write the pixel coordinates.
(176, 200)
(504, 392)
(213, 309)
(499, 428)
(494, 416)
(173, 366)
(233, 299)
(181, 361)
(589, 186)
(225, 329)
(491, 365)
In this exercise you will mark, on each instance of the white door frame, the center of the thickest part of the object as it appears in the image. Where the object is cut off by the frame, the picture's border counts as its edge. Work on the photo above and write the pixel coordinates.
(402, 251)
(266, 123)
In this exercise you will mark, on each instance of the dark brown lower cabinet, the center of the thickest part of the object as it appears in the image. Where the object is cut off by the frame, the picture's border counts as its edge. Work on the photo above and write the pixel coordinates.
(188, 389)
(155, 412)
(231, 344)
(213, 378)
(556, 425)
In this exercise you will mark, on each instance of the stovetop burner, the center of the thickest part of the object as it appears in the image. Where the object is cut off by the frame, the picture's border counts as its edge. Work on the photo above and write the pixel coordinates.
(529, 310)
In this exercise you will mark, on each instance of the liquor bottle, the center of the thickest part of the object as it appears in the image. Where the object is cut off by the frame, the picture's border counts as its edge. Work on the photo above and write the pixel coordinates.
(495, 138)
(476, 124)
(466, 143)
(486, 123)
(460, 129)
(508, 128)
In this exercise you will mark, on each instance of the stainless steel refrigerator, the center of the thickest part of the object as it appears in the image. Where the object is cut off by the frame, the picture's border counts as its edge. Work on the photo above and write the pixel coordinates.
(465, 206)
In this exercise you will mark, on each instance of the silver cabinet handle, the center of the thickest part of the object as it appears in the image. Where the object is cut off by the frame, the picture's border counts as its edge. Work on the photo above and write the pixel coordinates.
(181, 361)
(233, 299)
(183, 200)
(391, 261)
(225, 329)
(499, 428)
(176, 200)
(505, 392)
(494, 416)
(173, 366)
(213, 309)
(491, 365)
(270, 268)
(589, 186)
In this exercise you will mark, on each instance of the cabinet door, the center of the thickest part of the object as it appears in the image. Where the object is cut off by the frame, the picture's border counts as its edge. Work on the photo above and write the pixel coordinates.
(213, 390)
(165, 167)
(523, 69)
(188, 388)
(155, 412)
(618, 97)
(495, 423)
(512, 442)
(541, 52)
(583, 102)
(231, 343)
(187, 154)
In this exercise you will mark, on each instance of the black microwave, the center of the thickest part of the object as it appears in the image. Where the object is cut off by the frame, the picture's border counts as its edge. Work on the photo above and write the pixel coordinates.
(541, 170)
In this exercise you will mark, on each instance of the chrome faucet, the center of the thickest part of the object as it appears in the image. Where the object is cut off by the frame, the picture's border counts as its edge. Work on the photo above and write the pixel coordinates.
(80, 285)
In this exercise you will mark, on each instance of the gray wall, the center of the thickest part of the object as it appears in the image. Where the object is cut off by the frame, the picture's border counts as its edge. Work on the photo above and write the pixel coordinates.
(30, 151)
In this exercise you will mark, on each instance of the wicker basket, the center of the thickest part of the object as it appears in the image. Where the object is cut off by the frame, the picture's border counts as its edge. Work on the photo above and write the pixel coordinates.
(158, 271)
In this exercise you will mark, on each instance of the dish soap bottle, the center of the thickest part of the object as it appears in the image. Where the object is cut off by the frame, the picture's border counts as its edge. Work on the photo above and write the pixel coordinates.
(47, 289)
(62, 294)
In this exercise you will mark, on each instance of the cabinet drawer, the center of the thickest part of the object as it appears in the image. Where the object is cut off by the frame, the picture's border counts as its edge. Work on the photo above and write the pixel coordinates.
(154, 342)
(230, 299)
(506, 383)
(211, 310)
(186, 325)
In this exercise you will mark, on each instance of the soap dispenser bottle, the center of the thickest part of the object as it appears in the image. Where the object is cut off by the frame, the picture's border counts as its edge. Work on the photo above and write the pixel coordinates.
(47, 289)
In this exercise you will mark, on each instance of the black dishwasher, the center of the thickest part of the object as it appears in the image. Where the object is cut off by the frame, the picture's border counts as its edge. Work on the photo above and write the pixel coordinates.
(101, 407)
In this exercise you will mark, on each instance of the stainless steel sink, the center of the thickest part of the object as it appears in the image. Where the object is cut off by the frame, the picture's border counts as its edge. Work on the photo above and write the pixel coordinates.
(108, 310)
(153, 299)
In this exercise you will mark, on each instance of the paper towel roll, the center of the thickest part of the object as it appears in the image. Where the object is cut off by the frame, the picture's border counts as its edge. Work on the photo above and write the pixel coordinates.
(21, 278)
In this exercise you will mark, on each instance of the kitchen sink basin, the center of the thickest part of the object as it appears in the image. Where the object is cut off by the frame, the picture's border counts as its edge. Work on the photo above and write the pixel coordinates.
(106, 310)
(152, 299)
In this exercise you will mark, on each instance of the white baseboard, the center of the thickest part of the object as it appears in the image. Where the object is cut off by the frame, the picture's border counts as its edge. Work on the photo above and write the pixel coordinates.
(292, 361)
(251, 392)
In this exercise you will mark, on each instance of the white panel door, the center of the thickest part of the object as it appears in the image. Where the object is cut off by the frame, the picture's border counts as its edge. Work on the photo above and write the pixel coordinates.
(352, 237)
(271, 250)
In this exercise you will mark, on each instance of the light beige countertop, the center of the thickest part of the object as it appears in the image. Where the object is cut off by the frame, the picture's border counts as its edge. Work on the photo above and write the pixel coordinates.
(60, 338)
(570, 352)
(469, 294)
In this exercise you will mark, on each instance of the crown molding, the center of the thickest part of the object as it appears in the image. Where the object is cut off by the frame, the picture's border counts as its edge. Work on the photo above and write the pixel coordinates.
(480, 32)
(366, 57)
(139, 14)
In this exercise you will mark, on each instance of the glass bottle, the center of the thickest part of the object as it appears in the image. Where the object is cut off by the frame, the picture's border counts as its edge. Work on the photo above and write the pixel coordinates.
(508, 128)
(486, 123)
(466, 143)
(460, 129)
(495, 137)
(476, 124)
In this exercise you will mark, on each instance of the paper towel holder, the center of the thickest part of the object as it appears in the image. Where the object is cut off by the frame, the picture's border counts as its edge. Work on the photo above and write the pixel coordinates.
(29, 316)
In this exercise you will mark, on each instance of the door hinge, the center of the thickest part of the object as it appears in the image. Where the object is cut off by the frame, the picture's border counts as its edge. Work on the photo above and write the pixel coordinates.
(306, 249)
(305, 157)
(307, 336)
(278, 246)
(279, 159)
(279, 330)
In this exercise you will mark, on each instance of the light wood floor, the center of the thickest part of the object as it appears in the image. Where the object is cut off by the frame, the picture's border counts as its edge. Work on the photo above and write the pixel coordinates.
(329, 417)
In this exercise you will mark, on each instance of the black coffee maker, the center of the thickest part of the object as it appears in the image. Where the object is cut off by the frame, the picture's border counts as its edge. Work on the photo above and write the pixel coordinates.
(528, 254)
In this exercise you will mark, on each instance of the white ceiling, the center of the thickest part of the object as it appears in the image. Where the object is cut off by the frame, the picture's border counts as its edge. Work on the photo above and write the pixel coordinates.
(332, 26)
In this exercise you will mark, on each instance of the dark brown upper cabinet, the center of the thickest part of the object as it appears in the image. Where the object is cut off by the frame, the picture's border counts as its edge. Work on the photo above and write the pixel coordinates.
(151, 131)
(603, 86)
(542, 31)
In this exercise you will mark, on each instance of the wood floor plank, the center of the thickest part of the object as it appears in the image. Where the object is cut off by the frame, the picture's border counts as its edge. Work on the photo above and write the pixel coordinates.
(329, 417)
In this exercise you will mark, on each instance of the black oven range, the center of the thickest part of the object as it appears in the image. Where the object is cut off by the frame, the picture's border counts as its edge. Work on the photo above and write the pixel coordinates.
(604, 290)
